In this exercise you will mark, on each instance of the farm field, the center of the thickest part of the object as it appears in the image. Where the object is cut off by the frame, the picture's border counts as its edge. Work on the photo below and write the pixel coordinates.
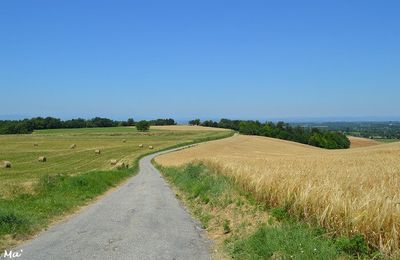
(61, 159)
(187, 128)
(356, 142)
(387, 140)
(71, 177)
(348, 192)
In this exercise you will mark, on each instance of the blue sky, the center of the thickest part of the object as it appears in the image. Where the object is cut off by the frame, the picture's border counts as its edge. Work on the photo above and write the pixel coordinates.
(207, 59)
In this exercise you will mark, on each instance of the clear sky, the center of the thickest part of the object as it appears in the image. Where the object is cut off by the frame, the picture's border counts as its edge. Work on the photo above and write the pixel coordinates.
(208, 59)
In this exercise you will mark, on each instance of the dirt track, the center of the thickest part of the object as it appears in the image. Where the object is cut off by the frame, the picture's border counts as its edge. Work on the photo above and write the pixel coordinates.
(140, 220)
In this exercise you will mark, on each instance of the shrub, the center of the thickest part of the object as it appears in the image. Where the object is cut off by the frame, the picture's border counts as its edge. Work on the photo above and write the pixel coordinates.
(279, 213)
(354, 245)
(143, 125)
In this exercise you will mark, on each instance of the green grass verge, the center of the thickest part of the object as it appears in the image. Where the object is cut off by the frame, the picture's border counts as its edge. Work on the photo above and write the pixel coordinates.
(54, 196)
(275, 235)
(287, 241)
(60, 194)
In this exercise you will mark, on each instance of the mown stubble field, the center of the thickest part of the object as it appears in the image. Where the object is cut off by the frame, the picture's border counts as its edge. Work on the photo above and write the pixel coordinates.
(61, 159)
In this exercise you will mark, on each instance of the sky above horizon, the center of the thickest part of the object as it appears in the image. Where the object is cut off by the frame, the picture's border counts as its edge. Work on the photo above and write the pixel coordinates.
(207, 59)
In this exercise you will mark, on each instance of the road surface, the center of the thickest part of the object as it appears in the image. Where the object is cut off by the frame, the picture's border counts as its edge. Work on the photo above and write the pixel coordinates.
(142, 219)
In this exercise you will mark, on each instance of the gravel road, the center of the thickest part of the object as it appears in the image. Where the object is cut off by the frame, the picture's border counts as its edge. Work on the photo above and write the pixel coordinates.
(141, 219)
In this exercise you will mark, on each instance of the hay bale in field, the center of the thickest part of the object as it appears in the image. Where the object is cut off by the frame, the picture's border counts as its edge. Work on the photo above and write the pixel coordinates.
(150, 147)
(113, 162)
(121, 165)
(42, 159)
(6, 164)
(141, 145)
(35, 144)
(72, 146)
(124, 140)
(97, 151)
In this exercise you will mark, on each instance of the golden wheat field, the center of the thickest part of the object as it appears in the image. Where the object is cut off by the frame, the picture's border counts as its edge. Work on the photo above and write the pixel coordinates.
(346, 191)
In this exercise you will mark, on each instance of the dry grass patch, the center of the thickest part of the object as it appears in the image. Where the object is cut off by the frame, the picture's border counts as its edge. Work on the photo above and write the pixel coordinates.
(346, 191)
(356, 142)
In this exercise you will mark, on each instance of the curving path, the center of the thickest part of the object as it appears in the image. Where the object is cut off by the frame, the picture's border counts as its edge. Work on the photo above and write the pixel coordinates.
(141, 219)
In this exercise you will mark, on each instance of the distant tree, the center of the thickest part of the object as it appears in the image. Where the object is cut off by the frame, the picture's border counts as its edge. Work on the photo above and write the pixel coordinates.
(160, 121)
(16, 127)
(143, 125)
(53, 123)
(250, 127)
(307, 135)
(130, 122)
(280, 125)
(267, 130)
(195, 122)
(229, 124)
(38, 123)
(209, 123)
(75, 123)
(318, 140)
(102, 122)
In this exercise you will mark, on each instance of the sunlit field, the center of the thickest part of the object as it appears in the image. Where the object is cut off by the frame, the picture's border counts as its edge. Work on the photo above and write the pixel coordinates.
(353, 191)
(119, 143)
(357, 142)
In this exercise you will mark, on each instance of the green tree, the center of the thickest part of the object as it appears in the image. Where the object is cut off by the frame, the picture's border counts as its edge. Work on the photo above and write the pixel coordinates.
(143, 125)
(250, 127)
(130, 122)
(194, 122)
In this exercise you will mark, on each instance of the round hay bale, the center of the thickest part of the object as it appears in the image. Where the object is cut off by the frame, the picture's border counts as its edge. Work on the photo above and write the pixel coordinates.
(121, 165)
(6, 164)
(150, 147)
(35, 144)
(141, 145)
(124, 140)
(113, 162)
(97, 151)
(42, 159)
(72, 146)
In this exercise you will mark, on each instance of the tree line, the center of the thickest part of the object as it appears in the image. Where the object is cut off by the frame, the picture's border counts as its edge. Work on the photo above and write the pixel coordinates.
(311, 136)
(372, 130)
(27, 126)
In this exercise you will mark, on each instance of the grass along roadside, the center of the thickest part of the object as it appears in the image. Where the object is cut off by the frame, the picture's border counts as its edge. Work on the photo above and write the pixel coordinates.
(244, 228)
(58, 195)
(55, 196)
